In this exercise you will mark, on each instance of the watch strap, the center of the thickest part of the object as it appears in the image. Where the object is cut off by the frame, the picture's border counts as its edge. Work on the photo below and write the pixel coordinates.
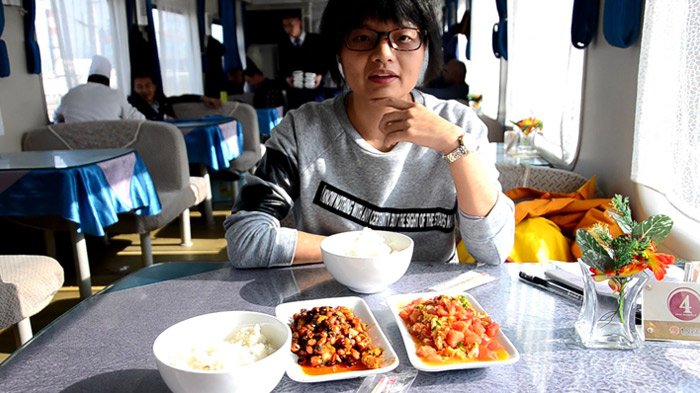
(461, 151)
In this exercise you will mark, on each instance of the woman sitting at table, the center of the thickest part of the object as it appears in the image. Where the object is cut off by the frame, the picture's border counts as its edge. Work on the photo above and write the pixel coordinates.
(381, 155)
(155, 105)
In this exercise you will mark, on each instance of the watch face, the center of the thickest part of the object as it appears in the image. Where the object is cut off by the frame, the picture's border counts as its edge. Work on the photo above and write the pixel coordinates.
(468, 143)
(465, 147)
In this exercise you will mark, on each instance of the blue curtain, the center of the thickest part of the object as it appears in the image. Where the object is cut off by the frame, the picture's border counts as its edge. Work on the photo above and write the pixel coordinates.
(499, 37)
(201, 8)
(4, 58)
(130, 15)
(227, 14)
(153, 45)
(584, 22)
(448, 13)
(621, 22)
(469, 33)
(31, 47)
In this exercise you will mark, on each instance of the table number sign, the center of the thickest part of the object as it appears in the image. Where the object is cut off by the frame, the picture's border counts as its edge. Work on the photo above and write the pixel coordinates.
(671, 311)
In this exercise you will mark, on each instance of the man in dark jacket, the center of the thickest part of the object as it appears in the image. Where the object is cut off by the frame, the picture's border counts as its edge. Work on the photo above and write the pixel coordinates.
(155, 105)
(267, 93)
(300, 63)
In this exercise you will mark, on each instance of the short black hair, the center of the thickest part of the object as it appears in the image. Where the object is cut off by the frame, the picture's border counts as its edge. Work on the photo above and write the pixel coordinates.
(342, 16)
(292, 13)
(252, 70)
(143, 75)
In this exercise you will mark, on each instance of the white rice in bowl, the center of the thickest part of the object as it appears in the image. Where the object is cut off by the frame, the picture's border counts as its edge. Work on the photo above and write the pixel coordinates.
(369, 243)
(243, 346)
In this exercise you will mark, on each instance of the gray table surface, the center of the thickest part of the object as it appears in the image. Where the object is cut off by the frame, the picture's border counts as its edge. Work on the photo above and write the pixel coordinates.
(105, 343)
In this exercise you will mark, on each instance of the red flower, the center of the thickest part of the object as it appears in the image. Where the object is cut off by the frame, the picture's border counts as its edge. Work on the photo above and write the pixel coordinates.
(658, 263)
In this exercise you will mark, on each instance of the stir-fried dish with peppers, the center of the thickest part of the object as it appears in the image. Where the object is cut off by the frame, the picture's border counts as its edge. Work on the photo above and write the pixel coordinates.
(330, 336)
(449, 328)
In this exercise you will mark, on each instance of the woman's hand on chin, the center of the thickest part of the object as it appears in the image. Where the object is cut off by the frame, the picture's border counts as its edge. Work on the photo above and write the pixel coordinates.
(414, 123)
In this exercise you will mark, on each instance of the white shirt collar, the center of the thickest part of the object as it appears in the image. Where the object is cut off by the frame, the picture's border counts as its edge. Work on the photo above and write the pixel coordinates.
(301, 38)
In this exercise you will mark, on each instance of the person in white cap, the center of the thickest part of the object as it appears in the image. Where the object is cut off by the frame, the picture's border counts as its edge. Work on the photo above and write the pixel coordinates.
(95, 100)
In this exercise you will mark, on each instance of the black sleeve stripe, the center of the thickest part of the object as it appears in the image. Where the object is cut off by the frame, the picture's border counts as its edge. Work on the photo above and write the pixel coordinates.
(273, 188)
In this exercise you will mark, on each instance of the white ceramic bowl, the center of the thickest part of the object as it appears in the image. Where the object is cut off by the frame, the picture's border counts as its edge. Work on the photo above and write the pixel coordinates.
(366, 274)
(260, 376)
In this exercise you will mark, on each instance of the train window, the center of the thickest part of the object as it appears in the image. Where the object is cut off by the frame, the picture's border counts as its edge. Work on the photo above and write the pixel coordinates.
(483, 69)
(217, 31)
(175, 24)
(69, 33)
(545, 76)
(666, 141)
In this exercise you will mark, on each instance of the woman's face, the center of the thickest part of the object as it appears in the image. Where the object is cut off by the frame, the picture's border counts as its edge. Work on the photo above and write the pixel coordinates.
(382, 71)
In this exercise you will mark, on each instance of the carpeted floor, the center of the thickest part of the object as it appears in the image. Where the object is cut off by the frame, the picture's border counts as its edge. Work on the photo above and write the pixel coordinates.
(110, 260)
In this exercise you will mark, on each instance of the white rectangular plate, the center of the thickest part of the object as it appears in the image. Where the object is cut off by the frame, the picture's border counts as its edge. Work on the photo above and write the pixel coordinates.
(395, 303)
(286, 311)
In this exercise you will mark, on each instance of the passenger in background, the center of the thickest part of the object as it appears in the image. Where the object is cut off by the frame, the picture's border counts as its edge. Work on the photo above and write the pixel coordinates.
(155, 105)
(380, 155)
(267, 93)
(95, 100)
(301, 51)
(235, 81)
(450, 85)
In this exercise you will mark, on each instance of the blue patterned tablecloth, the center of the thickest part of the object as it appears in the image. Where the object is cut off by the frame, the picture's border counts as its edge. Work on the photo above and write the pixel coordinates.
(90, 194)
(213, 141)
(268, 118)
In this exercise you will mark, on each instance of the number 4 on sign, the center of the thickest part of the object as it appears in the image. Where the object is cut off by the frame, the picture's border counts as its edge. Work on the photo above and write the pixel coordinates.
(671, 311)
(685, 305)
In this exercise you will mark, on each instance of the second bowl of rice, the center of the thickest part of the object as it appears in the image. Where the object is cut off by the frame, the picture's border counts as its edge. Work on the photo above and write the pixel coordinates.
(230, 351)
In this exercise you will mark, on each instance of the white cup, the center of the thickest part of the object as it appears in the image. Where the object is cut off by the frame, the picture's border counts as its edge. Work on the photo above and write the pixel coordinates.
(298, 74)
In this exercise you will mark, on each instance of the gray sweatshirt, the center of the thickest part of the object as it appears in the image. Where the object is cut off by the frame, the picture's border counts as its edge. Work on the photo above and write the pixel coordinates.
(320, 167)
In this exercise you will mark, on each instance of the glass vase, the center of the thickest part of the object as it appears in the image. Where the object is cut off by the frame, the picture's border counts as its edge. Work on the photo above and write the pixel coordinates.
(607, 317)
(526, 142)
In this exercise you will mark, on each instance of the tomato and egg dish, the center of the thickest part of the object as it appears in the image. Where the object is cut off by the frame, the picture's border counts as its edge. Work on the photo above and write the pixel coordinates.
(332, 339)
(449, 329)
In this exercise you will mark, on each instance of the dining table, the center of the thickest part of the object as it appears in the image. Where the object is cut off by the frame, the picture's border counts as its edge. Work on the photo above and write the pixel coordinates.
(268, 118)
(85, 189)
(505, 157)
(212, 142)
(105, 342)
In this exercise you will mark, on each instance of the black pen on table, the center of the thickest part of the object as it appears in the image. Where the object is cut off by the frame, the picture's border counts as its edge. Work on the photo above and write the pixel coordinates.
(551, 286)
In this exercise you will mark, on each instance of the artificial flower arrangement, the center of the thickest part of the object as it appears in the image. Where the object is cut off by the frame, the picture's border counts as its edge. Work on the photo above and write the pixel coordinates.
(614, 258)
(529, 125)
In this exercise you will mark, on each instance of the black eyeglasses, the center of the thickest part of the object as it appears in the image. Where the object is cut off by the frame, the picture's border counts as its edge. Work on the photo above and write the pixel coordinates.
(403, 39)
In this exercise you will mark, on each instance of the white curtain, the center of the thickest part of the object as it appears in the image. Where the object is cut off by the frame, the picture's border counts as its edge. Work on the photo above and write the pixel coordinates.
(545, 74)
(69, 33)
(178, 46)
(666, 141)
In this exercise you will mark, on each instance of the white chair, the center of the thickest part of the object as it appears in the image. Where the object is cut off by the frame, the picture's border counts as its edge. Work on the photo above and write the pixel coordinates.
(539, 177)
(252, 149)
(27, 285)
(176, 190)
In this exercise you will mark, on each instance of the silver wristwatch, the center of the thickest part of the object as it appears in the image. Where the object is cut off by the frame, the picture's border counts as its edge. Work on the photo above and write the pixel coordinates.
(462, 150)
